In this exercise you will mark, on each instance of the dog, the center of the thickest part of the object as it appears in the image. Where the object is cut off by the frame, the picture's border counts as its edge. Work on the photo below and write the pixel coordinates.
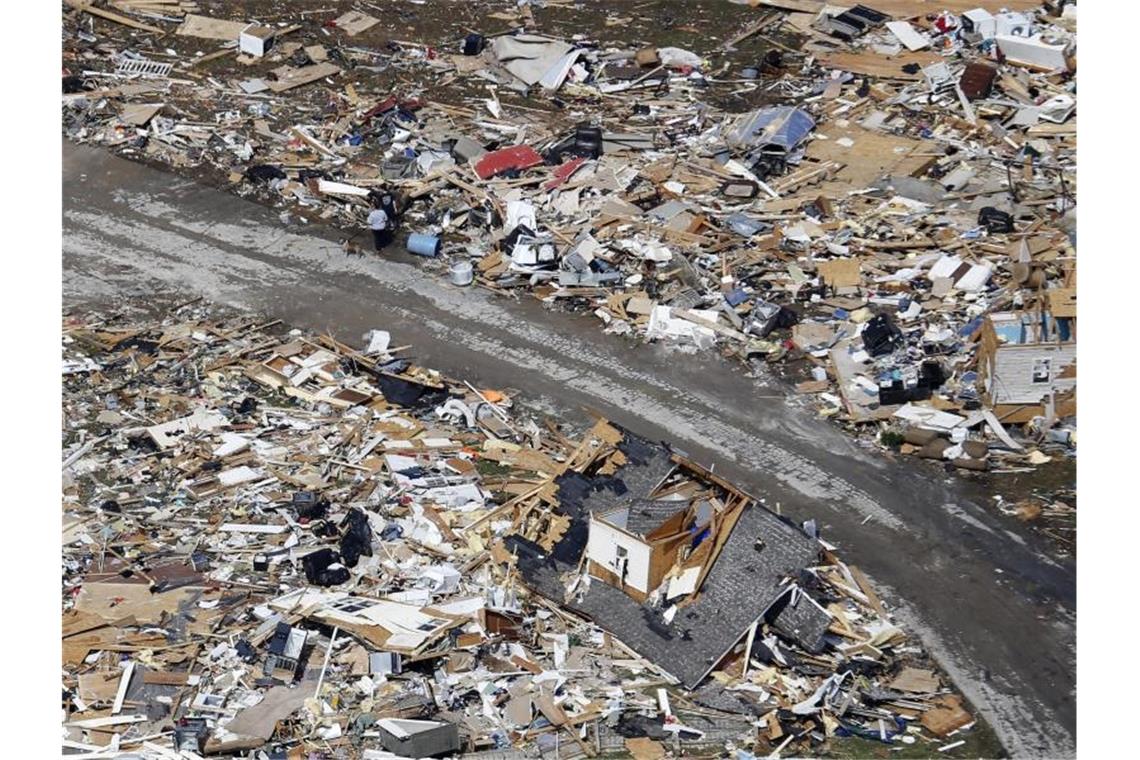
(350, 248)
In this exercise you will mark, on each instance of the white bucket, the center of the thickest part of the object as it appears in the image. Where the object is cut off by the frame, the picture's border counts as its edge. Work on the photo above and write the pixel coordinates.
(462, 272)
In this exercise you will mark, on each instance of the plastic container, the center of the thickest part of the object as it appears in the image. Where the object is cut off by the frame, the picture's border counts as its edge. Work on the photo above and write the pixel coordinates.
(461, 271)
(423, 245)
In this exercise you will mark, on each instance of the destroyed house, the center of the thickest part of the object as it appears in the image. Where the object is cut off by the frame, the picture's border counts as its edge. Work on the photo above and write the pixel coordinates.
(1027, 362)
(703, 563)
(633, 546)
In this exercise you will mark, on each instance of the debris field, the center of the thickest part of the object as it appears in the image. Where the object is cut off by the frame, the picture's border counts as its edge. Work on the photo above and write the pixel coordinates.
(279, 545)
(878, 201)
(276, 545)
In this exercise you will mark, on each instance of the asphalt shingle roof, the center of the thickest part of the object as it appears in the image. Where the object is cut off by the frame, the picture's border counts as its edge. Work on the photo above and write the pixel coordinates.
(743, 583)
(646, 515)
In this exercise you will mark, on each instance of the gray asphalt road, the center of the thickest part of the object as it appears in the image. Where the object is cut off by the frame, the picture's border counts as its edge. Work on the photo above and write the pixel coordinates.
(997, 613)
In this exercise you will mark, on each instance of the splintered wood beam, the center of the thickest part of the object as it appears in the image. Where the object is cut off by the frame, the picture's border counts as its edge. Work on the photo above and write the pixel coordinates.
(79, 5)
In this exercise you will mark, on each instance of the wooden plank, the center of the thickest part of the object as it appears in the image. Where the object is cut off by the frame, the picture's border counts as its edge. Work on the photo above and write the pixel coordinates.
(947, 715)
(865, 587)
(354, 22)
(724, 530)
(312, 142)
(867, 155)
(1063, 302)
(1053, 130)
(875, 65)
(76, 622)
(895, 245)
(210, 28)
(165, 678)
(88, 8)
(707, 474)
(840, 273)
(288, 77)
(110, 720)
(124, 682)
(916, 681)
(97, 687)
(213, 56)
(138, 114)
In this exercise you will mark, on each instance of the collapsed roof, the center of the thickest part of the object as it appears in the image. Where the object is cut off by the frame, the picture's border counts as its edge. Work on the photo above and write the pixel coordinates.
(744, 582)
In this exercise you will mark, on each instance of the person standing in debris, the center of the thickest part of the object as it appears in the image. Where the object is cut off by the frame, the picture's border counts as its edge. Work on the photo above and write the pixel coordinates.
(380, 222)
(388, 203)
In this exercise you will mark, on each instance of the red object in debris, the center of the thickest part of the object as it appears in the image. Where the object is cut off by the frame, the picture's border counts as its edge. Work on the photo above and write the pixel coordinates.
(385, 105)
(977, 80)
(391, 102)
(499, 161)
(563, 173)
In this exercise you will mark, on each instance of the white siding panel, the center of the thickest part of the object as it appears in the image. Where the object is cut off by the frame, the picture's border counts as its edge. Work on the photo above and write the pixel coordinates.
(1013, 372)
(602, 548)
